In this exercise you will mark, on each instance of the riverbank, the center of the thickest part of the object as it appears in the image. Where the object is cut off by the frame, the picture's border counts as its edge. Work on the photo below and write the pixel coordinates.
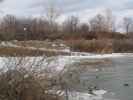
(60, 47)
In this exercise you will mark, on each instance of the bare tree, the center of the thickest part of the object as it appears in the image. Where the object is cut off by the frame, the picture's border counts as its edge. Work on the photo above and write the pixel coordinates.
(9, 23)
(71, 24)
(39, 28)
(8, 26)
(84, 28)
(128, 22)
(52, 13)
(103, 23)
(110, 20)
(97, 24)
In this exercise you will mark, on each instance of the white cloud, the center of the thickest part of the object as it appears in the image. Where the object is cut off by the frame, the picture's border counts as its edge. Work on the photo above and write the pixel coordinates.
(83, 8)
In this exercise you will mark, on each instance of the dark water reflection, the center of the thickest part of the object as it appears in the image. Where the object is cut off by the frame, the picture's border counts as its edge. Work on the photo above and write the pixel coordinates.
(116, 78)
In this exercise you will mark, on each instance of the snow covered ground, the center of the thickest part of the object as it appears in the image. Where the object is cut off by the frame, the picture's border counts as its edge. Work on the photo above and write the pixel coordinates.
(57, 63)
(98, 95)
(74, 95)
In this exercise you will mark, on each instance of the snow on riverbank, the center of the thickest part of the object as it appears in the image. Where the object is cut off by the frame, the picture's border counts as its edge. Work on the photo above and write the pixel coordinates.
(92, 55)
(98, 95)
(57, 63)
(67, 51)
(74, 95)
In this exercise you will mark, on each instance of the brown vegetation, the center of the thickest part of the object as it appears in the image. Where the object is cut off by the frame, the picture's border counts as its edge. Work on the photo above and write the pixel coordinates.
(20, 85)
(95, 46)
(22, 51)
(125, 45)
(24, 79)
(92, 36)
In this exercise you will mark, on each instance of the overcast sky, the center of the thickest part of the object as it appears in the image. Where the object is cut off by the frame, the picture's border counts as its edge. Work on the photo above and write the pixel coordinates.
(82, 8)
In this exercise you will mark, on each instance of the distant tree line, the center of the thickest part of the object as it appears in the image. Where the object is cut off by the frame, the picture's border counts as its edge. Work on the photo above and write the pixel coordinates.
(100, 26)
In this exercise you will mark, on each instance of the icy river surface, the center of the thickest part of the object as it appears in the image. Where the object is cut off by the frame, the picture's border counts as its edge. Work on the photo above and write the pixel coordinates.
(116, 78)
(110, 72)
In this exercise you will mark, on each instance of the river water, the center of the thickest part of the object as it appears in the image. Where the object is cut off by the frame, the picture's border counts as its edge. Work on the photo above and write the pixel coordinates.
(116, 78)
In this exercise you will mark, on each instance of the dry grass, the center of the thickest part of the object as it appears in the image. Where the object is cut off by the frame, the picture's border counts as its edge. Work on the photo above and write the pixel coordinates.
(95, 46)
(13, 51)
(80, 45)
(102, 45)
(41, 44)
(14, 86)
(125, 45)
(16, 51)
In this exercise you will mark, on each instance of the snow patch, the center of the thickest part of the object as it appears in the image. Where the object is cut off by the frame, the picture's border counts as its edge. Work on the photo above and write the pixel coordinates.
(85, 96)
(7, 44)
(99, 56)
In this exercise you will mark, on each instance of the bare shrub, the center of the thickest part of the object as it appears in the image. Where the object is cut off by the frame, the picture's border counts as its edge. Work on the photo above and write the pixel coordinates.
(97, 46)
(123, 45)
(26, 78)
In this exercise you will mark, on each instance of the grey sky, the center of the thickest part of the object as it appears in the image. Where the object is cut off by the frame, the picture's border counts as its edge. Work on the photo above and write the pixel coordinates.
(82, 8)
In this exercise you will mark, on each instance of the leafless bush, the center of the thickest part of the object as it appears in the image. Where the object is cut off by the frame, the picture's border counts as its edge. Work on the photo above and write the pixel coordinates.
(123, 45)
(96, 46)
(26, 78)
